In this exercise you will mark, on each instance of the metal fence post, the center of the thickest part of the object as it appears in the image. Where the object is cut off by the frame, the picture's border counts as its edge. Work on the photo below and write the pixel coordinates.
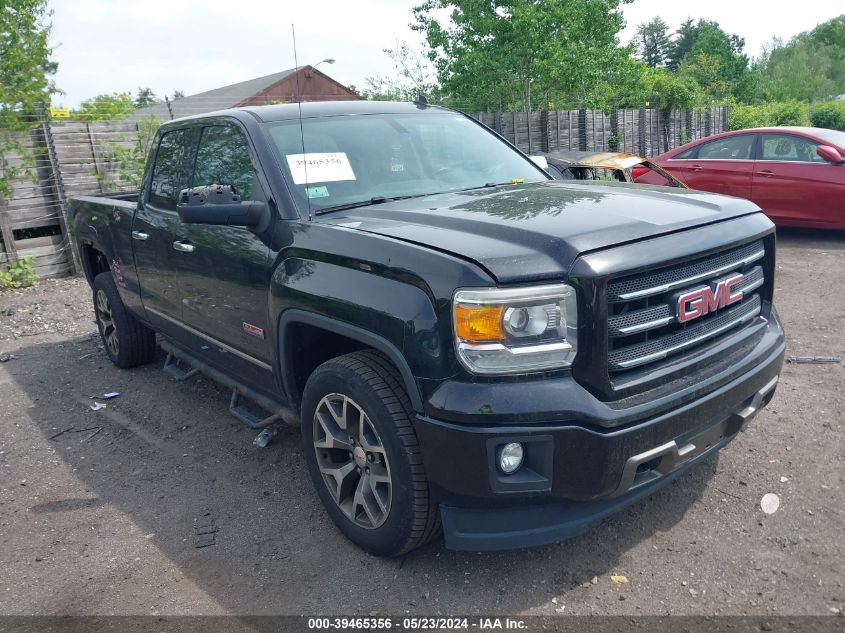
(582, 130)
(544, 130)
(58, 187)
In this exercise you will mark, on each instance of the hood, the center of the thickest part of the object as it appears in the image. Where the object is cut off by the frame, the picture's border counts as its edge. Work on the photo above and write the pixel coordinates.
(537, 230)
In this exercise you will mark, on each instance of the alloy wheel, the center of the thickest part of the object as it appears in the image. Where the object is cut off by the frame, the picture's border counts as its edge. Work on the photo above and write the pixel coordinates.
(352, 460)
(105, 320)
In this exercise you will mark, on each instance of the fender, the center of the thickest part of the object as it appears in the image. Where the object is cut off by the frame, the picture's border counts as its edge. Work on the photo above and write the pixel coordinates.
(353, 332)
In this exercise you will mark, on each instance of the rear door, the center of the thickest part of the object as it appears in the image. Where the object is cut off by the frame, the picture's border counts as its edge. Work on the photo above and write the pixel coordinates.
(154, 226)
(794, 185)
(724, 165)
(225, 271)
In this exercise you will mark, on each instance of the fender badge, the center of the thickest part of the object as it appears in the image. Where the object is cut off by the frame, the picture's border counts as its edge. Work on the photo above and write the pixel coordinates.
(254, 330)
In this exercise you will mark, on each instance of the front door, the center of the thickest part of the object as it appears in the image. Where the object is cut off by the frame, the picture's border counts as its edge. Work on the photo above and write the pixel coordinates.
(154, 226)
(224, 271)
(794, 185)
(724, 165)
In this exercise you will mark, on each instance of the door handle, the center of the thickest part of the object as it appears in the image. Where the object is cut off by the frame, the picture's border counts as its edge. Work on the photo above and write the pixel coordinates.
(767, 173)
(182, 247)
(696, 168)
(140, 235)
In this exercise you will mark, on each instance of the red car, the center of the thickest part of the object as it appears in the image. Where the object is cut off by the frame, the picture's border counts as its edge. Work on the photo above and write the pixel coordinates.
(795, 174)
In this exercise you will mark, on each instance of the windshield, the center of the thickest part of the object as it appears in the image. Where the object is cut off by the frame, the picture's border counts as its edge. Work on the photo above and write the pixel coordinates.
(831, 136)
(364, 159)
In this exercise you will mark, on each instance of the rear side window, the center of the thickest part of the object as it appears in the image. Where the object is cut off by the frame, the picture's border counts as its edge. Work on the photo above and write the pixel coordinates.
(171, 173)
(223, 159)
(787, 147)
(692, 152)
(728, 148)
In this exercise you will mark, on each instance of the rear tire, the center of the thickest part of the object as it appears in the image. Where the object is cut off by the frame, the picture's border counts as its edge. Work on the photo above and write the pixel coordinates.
(363, 455)
(128, 342)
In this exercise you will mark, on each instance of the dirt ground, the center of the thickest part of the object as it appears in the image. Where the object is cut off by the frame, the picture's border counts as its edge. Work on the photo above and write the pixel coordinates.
(107, 512)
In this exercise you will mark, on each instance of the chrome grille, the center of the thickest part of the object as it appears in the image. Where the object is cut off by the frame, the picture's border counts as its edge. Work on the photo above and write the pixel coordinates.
(642, 327)
(641, 286)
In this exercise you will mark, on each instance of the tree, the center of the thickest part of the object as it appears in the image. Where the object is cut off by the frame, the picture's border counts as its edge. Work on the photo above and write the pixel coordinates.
(105, 107)
(145, 97)
(178, 94)
(802, 71)
(714, 58)
(411, 77)
(25, 71)
(514, 54)
(652, 42)
(682, 44)
(810, 67)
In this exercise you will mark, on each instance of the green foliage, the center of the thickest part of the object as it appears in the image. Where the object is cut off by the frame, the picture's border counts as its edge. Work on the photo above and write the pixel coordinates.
(18, 274)
(830, 115)
(810, 67)
(410, 77)
(653, 43)
(513, 54)
(105, 107)
(25, 70)
(769, 114)
(129, 154)
(714, 59)
(145, 97)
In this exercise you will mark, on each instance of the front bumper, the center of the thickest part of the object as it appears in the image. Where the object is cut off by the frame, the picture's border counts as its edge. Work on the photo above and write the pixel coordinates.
(576, 473)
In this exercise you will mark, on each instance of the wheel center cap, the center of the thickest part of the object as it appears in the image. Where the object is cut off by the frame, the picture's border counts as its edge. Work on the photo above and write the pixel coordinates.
(359, 456)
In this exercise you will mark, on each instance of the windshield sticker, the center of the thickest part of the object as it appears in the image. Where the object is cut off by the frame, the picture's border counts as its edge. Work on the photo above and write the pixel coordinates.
(322, 167)
(317, 192)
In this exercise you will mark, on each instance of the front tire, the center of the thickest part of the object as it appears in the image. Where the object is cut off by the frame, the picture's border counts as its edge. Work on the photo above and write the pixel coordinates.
(363, 455)
(128, 342)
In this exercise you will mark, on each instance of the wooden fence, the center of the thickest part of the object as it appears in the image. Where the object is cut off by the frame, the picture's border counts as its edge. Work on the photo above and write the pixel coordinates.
(77, 158)
(646, 132)
(70, 159)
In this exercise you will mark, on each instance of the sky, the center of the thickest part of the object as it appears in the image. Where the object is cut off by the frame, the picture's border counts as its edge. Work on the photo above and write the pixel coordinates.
(105, 46)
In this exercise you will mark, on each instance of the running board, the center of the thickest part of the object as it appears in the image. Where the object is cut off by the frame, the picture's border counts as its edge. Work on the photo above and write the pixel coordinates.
(278, 413)
(172, 367)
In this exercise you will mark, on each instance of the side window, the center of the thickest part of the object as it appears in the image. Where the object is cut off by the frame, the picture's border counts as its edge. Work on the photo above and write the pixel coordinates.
(728, 148)
(223, 159)
(692, 152)
(789, 148)
(170, 174)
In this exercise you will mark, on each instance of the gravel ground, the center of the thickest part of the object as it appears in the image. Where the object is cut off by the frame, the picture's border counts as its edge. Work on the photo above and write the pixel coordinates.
(103, 512)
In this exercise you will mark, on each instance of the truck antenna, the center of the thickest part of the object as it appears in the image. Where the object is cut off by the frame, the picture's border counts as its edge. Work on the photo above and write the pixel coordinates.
(299, 104)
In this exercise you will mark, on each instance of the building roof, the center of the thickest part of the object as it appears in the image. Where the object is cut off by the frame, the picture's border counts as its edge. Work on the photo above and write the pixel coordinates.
(316, 109)
(219, 98)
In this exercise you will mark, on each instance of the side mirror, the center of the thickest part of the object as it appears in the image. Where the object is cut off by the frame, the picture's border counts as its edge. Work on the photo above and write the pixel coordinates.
(830, 154)
(218, 204)
(540, 161)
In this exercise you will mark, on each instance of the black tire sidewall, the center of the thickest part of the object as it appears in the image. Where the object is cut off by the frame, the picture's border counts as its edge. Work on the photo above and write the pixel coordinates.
(120, 317)
(392, 536)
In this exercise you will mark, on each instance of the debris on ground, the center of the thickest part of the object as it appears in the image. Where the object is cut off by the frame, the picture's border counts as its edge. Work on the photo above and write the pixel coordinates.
(619, 579)
(55, 435)
(815, 360)
(770, 503)
(70, 429)
(106, 396)
(205, 533)
(97, 406)
(784, 480)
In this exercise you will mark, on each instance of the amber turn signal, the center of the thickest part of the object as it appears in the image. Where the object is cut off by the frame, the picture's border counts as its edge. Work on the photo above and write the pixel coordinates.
(479, 323)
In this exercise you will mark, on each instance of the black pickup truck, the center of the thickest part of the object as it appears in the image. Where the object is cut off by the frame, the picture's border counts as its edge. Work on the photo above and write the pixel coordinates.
(466, 344)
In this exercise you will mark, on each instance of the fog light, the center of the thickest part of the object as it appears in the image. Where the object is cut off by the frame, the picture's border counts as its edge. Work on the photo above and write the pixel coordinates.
(510, 457)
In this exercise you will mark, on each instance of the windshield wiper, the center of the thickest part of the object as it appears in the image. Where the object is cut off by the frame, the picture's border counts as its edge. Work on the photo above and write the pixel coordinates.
(367, 203)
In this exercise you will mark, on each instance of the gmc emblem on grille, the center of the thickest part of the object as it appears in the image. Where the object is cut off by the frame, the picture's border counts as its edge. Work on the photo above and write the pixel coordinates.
(696, 303)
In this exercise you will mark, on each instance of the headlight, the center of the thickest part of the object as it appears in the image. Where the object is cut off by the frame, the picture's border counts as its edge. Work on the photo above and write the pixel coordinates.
(516, 330)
